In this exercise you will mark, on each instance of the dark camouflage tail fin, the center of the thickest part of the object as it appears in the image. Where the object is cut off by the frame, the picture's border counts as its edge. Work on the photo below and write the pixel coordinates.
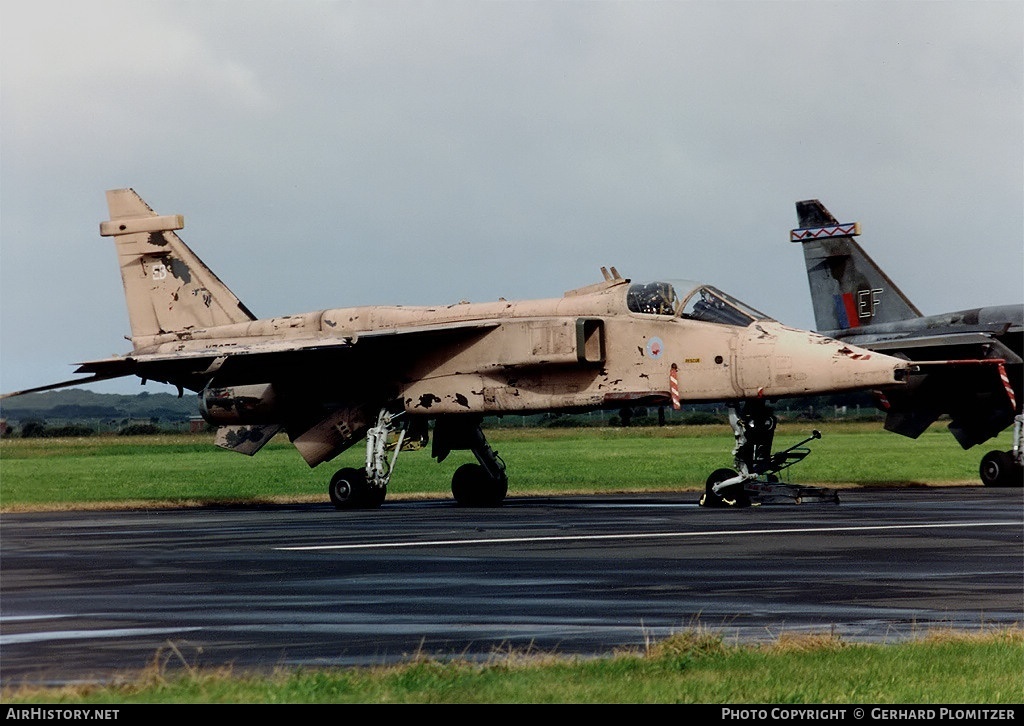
(848, 288)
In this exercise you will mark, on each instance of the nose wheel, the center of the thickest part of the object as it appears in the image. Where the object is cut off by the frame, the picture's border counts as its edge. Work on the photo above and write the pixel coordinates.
(719, 493)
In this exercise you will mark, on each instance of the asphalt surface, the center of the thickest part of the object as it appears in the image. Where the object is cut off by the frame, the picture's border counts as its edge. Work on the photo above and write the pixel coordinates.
(94, 596)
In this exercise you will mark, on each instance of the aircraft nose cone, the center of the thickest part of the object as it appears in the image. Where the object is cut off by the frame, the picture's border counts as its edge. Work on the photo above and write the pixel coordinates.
(781, 361)
(867, 368)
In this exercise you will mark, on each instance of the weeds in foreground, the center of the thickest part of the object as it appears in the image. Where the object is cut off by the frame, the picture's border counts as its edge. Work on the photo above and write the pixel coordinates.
(696, 665)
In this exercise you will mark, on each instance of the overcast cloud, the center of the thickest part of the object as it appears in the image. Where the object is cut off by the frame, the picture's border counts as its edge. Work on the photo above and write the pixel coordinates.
(327, 154)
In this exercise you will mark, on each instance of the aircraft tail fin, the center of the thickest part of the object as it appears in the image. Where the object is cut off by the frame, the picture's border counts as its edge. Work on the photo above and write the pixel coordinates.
(167, 287)
(848, 288)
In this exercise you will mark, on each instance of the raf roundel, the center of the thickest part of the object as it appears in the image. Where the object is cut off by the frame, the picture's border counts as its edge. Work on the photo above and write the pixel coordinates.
(655, 347)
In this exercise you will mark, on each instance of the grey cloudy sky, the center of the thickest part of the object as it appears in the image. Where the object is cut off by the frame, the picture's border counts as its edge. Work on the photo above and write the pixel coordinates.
(327, 154)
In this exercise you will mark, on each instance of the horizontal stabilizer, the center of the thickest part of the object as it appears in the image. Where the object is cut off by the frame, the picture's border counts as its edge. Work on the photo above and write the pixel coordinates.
(67, 384)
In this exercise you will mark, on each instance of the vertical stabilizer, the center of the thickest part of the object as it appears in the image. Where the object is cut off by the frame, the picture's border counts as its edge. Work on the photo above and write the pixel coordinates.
(848, 289)
(167, 287)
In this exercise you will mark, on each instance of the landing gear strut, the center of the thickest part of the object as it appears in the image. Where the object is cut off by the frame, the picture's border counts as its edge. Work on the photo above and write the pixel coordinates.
(483, 484)
(366, 488)
(755, 479)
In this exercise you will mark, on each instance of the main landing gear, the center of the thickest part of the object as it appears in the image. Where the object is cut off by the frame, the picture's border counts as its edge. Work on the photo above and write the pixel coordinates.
(755, 479)
(352, 488)
(483, 484)
(1006, 468)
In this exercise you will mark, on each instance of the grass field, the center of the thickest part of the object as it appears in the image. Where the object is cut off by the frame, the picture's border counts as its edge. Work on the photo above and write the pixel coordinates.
(695, 667)
(183, 469)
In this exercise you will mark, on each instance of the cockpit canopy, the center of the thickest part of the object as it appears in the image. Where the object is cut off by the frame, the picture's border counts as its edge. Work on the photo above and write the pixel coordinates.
(693, 300)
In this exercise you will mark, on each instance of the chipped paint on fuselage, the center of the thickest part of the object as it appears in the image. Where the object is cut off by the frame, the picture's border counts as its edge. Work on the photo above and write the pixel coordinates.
(582, 351)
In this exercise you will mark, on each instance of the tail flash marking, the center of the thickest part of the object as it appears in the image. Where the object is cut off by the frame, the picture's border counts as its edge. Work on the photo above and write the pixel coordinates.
(846, 311)
(850, 229)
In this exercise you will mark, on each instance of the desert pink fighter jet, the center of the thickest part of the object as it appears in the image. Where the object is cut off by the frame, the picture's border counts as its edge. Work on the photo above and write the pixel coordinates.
(396, 375)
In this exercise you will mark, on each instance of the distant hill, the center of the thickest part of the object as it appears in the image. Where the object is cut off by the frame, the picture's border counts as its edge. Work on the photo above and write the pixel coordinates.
(77, 405)
(115, 411)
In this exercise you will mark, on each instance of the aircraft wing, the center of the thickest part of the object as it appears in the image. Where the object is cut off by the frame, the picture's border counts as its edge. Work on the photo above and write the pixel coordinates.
(967, 376)
(191, 367)
(976, 394)
(949, 346)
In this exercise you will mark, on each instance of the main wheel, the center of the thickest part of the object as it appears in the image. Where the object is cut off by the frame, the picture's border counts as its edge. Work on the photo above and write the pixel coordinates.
(347, 488)
(373, 497)
(472, 487)
(734, 496)
(998, 469)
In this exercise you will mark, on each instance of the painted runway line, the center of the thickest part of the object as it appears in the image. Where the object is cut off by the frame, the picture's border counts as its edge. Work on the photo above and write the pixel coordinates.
(649, 535)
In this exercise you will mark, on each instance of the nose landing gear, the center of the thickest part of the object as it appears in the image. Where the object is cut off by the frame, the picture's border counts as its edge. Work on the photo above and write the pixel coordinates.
(755, 479)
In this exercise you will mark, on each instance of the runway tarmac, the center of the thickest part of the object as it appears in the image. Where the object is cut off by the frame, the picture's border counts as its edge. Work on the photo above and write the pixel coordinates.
(87, 596)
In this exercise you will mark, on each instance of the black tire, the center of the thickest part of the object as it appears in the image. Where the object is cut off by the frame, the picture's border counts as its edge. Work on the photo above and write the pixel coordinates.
(373, 497)
(472, 487)
(735, 496)
(998, 469)
(347, 488)
(496, 490)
